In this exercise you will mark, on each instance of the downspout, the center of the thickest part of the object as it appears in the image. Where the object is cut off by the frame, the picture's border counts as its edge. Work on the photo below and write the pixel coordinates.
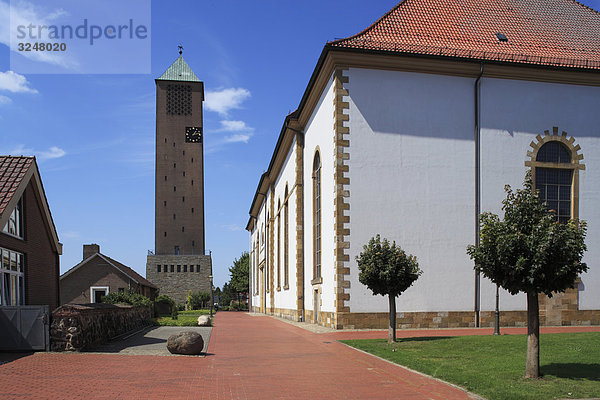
(477, 185)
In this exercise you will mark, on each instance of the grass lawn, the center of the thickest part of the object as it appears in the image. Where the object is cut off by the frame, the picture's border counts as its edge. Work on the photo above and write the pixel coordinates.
(185, 318)
(493, 366)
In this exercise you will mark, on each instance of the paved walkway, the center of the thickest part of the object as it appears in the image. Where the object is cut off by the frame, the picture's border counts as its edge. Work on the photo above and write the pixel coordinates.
(248, 358)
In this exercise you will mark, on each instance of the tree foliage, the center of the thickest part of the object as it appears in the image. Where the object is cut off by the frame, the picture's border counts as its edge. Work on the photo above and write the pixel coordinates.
(127, 297)
(197, 300)
(387, 270)
(529, 251)
(239, 281)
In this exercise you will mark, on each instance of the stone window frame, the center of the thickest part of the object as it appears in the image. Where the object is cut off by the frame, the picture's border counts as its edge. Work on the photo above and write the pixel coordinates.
(317, 217)
(574, 165)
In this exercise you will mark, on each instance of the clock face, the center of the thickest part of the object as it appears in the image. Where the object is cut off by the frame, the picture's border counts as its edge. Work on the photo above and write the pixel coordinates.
(193, 134)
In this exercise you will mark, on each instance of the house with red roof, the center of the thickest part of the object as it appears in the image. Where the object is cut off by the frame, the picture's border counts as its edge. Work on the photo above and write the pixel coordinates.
(411, 129)
(98, 275)
(29, 246)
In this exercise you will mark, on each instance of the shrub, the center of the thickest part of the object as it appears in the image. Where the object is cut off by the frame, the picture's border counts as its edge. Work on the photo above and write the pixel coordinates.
(127, 297)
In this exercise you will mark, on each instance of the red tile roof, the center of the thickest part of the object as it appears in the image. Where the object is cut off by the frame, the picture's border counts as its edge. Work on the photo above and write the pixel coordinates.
(12, 171)
(561, 33)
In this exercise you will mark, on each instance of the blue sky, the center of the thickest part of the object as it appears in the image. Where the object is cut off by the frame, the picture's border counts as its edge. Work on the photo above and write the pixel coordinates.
(94, 134)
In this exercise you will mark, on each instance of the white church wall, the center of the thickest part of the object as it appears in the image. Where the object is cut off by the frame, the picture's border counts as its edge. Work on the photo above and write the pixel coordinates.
(319, 134)
(513, 113)
(286, 298)
(411, 180)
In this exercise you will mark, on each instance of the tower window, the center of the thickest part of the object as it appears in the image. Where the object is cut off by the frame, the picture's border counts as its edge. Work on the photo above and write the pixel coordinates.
(183, 173)
(174, 188)
(183, 199)
(174, 216)
(165, 156)
(165, 177)
(176, 251)
(193, 243)
(179, 268)
(192, 160)
(165, 203)
(191, 268)
(158, 268)
(172, 268)
(184, 152)
(165, 140)
(174, 165)
(192, 210)
(173, 144)
(165, 234)
(179, 100)
(182, 229)
(185, 268)
(192, 182)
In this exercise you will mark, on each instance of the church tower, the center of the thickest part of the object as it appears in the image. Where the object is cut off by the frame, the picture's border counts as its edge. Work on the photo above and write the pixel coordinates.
(178, 263)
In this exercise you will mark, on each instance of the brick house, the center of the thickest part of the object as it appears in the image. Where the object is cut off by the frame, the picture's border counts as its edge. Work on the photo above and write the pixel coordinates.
(98, 275)
(29, 246)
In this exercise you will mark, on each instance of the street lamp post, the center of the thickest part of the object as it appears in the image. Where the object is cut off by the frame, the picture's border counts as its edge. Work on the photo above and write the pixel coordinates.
(211, 296)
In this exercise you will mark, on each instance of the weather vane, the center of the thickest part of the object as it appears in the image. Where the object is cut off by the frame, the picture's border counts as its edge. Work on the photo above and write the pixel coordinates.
(180, 47)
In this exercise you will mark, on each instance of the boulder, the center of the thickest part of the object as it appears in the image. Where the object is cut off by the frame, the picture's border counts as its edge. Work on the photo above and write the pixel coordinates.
(187, 342)
(204, 320)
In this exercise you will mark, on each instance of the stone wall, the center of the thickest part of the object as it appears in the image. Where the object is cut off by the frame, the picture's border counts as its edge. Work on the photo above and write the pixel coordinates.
(176, 278)
(77, 327)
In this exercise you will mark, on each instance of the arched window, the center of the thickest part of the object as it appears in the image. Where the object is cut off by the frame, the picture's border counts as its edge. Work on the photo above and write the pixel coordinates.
(555, 183)
(269, 246)
(317, 216)
(279, 244)
(555, 172)
(286, 269)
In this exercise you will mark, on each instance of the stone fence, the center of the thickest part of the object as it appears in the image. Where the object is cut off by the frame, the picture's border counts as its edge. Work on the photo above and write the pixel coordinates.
(77, 327)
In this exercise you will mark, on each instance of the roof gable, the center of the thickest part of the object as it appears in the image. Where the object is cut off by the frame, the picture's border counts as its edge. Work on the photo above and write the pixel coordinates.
(561, 33)
(179, 71)
(16, 172)
(125, 270)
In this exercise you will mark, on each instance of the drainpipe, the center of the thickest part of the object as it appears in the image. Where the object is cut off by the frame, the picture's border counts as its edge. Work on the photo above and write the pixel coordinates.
(477, 184)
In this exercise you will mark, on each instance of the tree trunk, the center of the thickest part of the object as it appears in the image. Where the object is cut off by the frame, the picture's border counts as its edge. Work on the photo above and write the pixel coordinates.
(392, 326)
(532, 368)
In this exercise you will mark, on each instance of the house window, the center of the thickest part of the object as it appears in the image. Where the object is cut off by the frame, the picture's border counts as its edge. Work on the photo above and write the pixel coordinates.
(317, 216)
(555, 165)
(286, 269)
(12, 284)
(14, 225)
(278, 244)
(97, 293)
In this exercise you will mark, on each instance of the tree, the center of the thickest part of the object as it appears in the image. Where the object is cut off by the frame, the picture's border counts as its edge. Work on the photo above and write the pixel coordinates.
(239, 281)
(387, 270)
(530, 252)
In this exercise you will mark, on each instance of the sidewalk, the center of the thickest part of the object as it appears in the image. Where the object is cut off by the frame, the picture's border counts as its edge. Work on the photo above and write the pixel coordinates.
(249, 357)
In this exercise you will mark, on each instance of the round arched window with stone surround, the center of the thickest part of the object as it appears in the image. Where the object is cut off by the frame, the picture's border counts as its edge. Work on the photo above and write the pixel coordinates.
(555, 164)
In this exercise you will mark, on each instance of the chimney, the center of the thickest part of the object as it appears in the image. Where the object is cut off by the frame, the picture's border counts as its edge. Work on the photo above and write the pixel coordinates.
(90, 250)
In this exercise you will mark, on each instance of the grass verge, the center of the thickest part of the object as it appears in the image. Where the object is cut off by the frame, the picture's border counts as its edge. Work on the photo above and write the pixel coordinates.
(493, 366)
(184, 318)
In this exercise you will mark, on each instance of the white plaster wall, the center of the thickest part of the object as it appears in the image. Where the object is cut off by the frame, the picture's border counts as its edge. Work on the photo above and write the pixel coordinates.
(260, 233)
(411, 180)
(286, 298)
(513, 113)
(319, 133)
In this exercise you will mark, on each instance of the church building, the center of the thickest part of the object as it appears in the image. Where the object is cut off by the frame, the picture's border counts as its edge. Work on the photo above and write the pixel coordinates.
(178, 263)
(411, 129)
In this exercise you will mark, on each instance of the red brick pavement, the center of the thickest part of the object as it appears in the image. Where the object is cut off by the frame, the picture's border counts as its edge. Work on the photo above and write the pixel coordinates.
(249, 358)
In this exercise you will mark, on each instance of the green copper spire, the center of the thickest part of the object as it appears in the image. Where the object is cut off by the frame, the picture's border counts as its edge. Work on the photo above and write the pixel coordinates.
(179, 71)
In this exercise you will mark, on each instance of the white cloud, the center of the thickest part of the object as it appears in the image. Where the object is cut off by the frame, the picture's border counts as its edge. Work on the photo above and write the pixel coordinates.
(4, 100)
(233, 228)
(235, 126)
(15, 83)
(52, 152)
(25, 13)
(238, 138)
(222, 101)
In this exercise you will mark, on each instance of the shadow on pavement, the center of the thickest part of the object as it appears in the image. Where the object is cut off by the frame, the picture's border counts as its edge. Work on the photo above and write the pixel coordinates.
(7, 357)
